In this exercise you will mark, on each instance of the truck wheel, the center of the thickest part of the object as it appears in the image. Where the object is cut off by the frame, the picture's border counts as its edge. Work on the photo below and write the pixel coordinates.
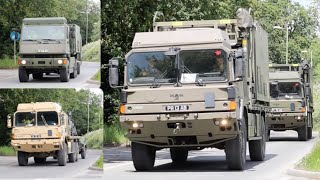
(309, 132)
(236, 149)
(47, 74)
(72, 156)
(23, 75)
(84, 153)
(64, 75)
(178, 155)
(257, 148)
(62, 155)
(39, 160)
(78, 68)
(74, 74)
(143, 156)
(303, 133)
(22, 158)
(77, 151)
(37, 75)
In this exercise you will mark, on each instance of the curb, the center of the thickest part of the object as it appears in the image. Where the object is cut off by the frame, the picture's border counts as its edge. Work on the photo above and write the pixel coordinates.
(303, 173)
(93, 82)
(115, 146)
(95, 168)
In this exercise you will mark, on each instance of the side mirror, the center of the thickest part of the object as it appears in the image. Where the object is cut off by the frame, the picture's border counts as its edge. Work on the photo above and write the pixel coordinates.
(9, 121)
(239, 64)
(114, 72)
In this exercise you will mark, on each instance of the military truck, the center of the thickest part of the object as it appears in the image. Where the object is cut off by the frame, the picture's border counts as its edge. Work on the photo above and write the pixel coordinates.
(43, 129)
(190, 85)
(49, 45)
(291, 99)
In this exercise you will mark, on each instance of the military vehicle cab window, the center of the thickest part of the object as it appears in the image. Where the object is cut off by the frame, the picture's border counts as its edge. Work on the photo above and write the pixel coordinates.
(286, 90)
(49, 118)
(25, 119)
(148, 67)
(207, 65)
(30, 33)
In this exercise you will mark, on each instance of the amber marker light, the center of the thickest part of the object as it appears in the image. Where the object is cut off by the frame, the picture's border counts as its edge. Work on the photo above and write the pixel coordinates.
(122, 108)
(233, 105)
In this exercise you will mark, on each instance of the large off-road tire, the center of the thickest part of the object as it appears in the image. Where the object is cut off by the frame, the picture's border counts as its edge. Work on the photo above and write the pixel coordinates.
(39, 160)
(143, 156)
(178, 155)
(37, 75)
(236, 149)
(62, 155)
(23, 75)
(78, 68)
(303, 133)
(257, 148)
(22, 158)
(64, 75)
(309, 132)
(72, 156)
(84, 153)
(74, 74)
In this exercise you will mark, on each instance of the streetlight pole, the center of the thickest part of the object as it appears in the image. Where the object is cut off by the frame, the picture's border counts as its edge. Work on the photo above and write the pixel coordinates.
(88, 111)
(287, 43)
(87, 12)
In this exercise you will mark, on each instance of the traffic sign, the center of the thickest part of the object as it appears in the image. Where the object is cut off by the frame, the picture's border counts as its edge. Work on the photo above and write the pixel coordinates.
(15, 36)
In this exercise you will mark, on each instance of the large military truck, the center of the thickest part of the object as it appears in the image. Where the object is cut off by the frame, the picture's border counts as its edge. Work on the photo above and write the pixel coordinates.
(43, 129)
(291, 99)
(191, 85)
(49, 45)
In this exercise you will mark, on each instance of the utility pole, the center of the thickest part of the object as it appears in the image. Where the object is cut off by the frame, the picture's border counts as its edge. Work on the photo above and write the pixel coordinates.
(87, 28)
(88, 111)
(287, 43)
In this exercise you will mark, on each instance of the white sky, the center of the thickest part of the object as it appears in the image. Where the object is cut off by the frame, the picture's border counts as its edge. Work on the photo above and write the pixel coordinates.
(305, 3)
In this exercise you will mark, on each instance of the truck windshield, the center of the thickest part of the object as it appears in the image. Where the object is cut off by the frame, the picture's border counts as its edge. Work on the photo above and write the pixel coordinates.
(43, 32)
(286, 90)
(47, 118)
(148, 67)
(24, 119)
(207, 65)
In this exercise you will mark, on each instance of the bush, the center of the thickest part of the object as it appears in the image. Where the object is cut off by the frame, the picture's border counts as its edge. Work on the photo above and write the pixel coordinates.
(8, 63)
(91, 51)
(7, 151)
(114, 134)
(94, 139)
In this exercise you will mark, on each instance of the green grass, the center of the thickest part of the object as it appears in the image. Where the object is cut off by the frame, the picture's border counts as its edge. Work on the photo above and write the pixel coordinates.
(99, 163)
(91, 51)
(311, 162)
(7, 151)
(94, 139)
(97, 77)
(114, 135)
(8, 63)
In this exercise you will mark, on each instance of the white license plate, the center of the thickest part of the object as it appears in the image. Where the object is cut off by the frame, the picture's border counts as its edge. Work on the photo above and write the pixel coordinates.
(177, 108)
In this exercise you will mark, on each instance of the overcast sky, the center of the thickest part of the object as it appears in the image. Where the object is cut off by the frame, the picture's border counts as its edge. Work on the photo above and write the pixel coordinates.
(306, 3)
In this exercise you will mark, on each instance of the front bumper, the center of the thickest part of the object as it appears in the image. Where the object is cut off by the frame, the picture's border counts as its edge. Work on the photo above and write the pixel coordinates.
(286, 121)
(195, 129)
(42, 145)
(43, 63)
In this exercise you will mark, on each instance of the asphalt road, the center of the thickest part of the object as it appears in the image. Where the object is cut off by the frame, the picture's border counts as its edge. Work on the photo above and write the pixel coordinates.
(283, 151)
(10, 79)
(9, 168)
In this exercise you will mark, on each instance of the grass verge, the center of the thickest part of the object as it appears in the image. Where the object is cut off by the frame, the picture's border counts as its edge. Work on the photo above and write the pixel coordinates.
(97, 77)
(94, 139)
(114, 135)
(8, 63)
(7, 151)
(99, 163)
(91, 51)
(311, 162)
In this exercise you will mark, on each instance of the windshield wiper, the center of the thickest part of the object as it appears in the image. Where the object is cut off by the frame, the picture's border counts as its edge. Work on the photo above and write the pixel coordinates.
(44, 120)
(33, 40)
(51, 40)
(155, 83)
(198, 82)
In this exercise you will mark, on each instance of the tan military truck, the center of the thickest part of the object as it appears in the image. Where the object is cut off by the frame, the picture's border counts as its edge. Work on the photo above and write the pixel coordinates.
(191, 85)
(49, 45)
(291, 99)
(43, 129)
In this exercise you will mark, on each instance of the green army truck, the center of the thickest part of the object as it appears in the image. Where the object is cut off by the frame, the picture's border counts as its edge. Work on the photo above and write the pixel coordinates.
(49, 45)
(43, 129)
(291, 100)
(190, 85)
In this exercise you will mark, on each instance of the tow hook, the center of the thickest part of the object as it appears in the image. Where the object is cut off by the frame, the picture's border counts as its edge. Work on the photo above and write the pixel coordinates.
(177, 129)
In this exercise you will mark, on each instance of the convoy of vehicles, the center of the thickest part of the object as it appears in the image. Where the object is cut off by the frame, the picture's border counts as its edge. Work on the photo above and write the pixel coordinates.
(191, 85)
(291, 99)
(43, 129)
(49, 45)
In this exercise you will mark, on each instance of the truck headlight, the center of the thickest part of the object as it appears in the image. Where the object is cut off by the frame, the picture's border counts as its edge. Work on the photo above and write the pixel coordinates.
(23, 62)
(224, 122)
(60, 61)
(137, 125)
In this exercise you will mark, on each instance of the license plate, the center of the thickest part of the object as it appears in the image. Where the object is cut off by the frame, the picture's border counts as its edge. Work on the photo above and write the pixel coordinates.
(276, 110)
(35, 136)
(177, 108)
